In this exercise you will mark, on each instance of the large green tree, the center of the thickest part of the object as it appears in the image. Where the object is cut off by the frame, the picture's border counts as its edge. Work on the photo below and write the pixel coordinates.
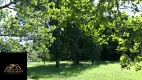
(90, 19)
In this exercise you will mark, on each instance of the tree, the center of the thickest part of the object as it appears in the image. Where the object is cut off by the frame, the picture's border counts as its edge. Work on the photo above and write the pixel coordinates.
(43, 21)
(26, 26)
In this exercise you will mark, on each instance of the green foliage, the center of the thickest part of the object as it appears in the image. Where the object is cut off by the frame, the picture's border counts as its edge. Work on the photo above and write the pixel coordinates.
(11, 45)
(29, 22)
(124, 60)
(47, 22)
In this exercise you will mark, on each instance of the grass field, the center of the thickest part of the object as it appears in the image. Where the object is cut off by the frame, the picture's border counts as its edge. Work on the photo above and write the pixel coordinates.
(85, 71)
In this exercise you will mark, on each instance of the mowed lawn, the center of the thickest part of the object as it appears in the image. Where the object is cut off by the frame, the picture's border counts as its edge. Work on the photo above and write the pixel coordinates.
(105, 70)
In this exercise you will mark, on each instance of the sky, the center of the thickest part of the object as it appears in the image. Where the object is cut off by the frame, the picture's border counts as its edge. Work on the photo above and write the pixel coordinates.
(7, 2)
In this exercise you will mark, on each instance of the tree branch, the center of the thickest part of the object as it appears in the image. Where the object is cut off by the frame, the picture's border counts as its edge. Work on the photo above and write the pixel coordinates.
(117, 5)
(119, 12)
(6, 6)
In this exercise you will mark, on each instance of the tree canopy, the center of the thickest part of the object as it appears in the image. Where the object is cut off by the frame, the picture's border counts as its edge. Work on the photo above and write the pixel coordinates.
(66, 25)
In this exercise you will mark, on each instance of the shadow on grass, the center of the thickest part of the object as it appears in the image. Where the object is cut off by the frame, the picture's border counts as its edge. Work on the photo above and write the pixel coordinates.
(98, 63)
(66, 70)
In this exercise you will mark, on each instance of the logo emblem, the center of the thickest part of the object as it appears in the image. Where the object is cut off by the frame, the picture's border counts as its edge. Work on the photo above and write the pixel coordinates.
(13, 69)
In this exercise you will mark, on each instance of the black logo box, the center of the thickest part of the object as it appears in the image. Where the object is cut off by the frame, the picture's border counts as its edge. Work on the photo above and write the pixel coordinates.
(19, 58)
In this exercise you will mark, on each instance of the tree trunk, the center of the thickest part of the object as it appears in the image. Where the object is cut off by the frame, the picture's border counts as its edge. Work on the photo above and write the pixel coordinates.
(57, 63)
(44, 57)
(92, 56)
(92, 62)
(57, 60)
(44, 61)
(76, 59)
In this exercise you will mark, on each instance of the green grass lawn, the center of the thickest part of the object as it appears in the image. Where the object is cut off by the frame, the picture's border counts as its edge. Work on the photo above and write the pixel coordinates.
(85, 71)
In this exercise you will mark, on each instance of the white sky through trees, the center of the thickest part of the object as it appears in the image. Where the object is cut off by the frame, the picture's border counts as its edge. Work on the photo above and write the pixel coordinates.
(4, 2)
